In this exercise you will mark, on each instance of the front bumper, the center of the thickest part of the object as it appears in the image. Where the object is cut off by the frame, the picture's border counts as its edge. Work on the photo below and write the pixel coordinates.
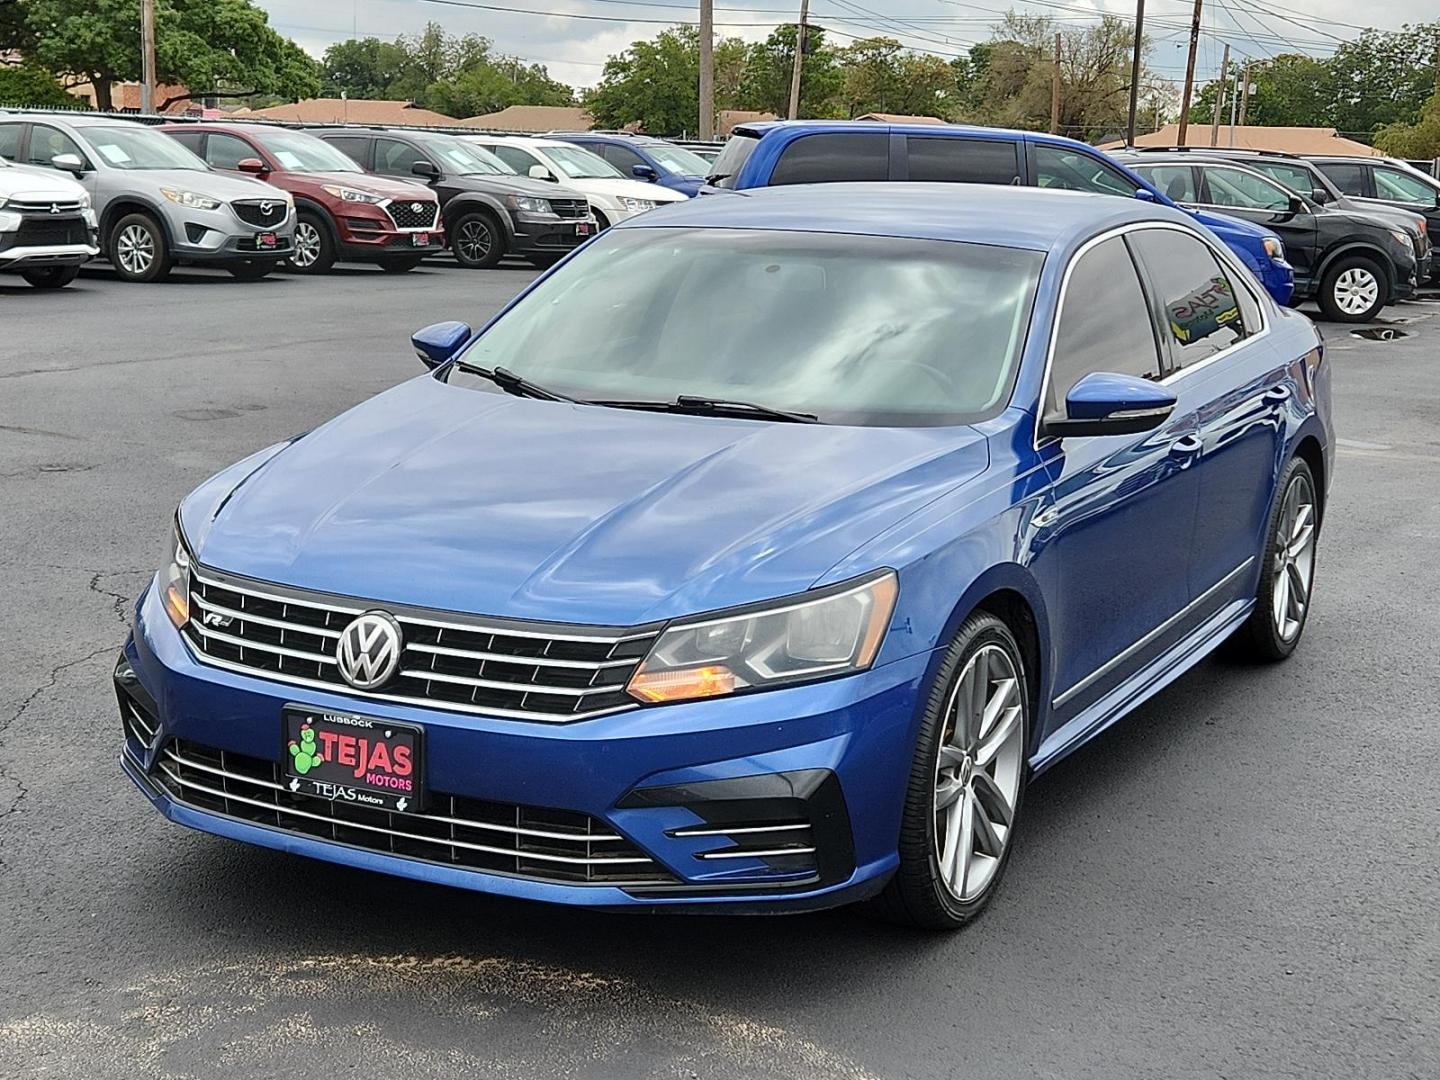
(369, 232)
(538, 233)
(720, 799)
(201, 236)
(40, 256)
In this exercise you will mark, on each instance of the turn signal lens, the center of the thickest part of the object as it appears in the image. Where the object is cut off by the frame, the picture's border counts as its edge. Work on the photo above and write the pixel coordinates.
(837, 631)
(175, 581)
(682, 685)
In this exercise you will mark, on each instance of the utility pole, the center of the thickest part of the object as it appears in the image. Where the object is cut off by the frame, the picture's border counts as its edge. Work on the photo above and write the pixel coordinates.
(707, 69)
(1235, 100)
(1219, 103)
(1055, 91)
(147, 54)
(1245, 96)
(800, 35)
(1189, 74)
(1135, 70)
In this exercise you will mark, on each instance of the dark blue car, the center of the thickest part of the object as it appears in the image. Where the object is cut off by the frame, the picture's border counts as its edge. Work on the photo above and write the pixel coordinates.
(754, 558)
(645, 158)
(823, 151)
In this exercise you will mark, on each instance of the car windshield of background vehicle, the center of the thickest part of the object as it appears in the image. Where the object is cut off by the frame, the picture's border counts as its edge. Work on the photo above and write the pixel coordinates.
(1245, 191)
(298, 152)
(580, 164)
(678, 161)
(854, 329)
(466, 158)
(1402, 187)
(140, 148)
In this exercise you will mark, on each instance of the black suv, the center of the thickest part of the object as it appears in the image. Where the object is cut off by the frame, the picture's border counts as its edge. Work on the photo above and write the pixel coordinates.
(1377, 182)
(1352, 264)
(1304, 177)
(489, 210)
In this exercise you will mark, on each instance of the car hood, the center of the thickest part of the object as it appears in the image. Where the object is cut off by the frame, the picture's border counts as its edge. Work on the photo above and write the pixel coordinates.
(619, 188)
(26, 183)
(506, 184)
(375, 185)
(217, 185)
(453, 498)
(1234, 226)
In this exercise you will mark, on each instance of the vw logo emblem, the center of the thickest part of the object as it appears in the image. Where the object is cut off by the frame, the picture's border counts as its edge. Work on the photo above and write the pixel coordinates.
(417, 207)
(266, 207)
(368, 651)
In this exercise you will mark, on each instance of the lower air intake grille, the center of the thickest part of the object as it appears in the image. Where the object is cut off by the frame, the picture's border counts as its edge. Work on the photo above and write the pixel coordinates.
(521, 841)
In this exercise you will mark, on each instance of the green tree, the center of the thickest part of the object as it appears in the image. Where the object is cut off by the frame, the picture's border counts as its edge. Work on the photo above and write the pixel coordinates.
(1383, 77)
(34, 87)
(219, 48)
(363, 68)
(1418, 140)
(656, 83)
(769, 65)
(1290, 90)
(491, 84)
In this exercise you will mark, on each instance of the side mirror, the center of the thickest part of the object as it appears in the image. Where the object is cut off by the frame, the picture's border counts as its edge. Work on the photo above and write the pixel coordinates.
(644, 172)
(1320, 195)
(540, 172)
(439, 342)
(1105, 403)
(252, 165)
(425, 169)
(1145, 195)
(1297, 205)
(70, 163)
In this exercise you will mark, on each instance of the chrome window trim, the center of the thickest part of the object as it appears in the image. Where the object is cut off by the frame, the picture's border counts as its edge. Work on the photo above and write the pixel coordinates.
(1227, 262)
(1130, 650)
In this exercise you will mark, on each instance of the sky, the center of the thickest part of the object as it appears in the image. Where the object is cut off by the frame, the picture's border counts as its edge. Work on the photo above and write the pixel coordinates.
(574, 48)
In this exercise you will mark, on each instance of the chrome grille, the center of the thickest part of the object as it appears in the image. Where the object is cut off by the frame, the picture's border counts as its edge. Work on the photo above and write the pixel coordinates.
(571, 208)
(44, 206)
(35, 231)
(530, 671)
(405, 216)
(530, 842)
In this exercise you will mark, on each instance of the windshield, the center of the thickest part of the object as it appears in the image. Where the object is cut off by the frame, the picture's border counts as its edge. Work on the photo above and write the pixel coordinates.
(466, 158)
(124, 147)
(298, 152)
(855, 329)
(677, 161)
(580, 164)
(732, 159)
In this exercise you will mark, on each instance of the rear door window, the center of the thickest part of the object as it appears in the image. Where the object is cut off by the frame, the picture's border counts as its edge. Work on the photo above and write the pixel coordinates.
(10, 140)
(352, 147)
(963, 161)
(1199, 301)
(824, 159)
(1348, 177)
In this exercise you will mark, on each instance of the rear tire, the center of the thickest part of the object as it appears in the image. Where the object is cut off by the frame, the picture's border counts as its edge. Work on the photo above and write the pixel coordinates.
(400, 264)
(1353, 290)
(1287, 573)
(251, 269)
(52, 277)
(314, 248)
(967, 782)
(477, 240)
(601, 221)
(139, 250)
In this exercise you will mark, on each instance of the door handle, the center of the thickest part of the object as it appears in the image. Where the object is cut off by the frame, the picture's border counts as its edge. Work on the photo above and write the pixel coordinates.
(1278, 395)
(1187, 445)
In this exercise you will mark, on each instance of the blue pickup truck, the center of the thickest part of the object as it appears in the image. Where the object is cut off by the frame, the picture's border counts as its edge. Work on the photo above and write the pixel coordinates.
(817, 151)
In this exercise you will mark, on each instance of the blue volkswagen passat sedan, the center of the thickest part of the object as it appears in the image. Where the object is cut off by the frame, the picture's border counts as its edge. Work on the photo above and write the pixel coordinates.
(755, 557)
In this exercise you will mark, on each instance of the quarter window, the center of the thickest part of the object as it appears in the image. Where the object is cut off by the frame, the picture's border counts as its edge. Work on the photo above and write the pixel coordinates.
(1401, 187)
(47, 143)
(226, 151)
(1074, 170)
(823, 159)
(1201, 309)
(963, 161)
(1105, 324)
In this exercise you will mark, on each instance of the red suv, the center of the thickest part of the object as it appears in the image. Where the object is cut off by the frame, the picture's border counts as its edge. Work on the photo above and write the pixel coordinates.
(342, 211)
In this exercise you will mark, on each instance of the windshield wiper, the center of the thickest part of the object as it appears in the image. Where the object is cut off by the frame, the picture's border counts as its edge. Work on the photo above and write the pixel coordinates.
(691, 403)
(518, 385)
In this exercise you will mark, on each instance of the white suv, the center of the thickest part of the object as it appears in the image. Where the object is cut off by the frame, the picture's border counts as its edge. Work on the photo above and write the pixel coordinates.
(613, 196)
(47, 228)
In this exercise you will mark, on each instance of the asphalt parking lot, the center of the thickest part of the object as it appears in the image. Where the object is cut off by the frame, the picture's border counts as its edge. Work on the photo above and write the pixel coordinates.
(1239, 881)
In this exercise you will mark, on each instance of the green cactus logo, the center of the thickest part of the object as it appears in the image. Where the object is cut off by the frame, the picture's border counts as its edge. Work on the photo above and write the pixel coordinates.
(305, 752)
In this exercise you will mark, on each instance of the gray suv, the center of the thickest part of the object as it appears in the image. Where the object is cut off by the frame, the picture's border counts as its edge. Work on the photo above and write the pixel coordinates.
(158, 204)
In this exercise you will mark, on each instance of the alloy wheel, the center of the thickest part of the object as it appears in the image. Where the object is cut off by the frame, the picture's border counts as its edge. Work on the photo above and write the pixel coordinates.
(978, 771)
(1356, 291)
(135, 249)
(1294, 564)
(307, 245)
(474, 240)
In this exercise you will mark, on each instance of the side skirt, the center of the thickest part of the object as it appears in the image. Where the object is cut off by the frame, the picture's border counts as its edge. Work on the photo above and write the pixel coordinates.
(1143, 685)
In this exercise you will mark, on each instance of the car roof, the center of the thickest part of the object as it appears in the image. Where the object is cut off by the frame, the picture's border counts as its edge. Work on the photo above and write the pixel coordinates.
(227, 125)
(760, 128)
(84, 119)
(1016, 217)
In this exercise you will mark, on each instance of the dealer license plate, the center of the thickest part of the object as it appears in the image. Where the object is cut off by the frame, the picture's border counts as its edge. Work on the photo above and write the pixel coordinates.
(353, 759)
(420, 239)
(267, 240)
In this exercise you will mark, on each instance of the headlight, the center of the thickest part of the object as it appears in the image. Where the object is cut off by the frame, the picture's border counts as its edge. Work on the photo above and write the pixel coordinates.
(789, 641)
(1274, 248)
(175, 580)
(635, 206)
(346, 194)
(193, 200)
(84, 200)
(1401, 238)
(525, 202)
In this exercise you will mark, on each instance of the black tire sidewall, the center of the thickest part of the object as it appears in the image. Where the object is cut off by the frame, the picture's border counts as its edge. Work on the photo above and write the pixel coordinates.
(159, 267)
(326, 257)
(497, 238)
(1326, 298)
(52, 277)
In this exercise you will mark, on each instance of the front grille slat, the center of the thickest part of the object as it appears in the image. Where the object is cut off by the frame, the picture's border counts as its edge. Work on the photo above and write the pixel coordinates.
(405, 216)
(511, 670)
(35, 231)
(545, 844)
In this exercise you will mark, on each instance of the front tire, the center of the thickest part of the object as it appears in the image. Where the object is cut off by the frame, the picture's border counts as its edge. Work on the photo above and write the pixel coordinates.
(1353, 290)
(314, 249)
(967, 782)
(251, 269)
(52, 277)
(477, 240)
(1287, 575)
(138, 249)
